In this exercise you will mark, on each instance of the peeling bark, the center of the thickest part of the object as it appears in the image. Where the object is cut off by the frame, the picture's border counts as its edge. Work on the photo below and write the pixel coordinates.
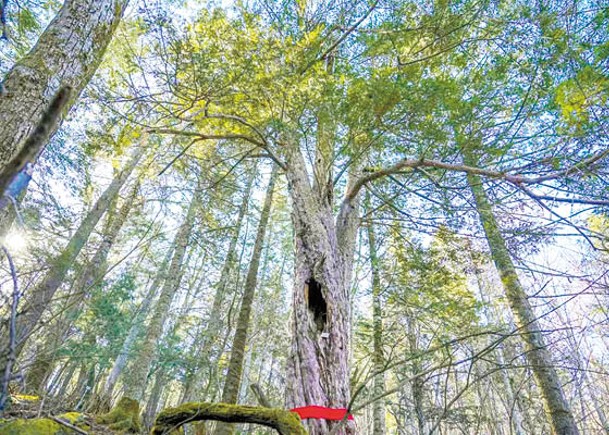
(318, 367)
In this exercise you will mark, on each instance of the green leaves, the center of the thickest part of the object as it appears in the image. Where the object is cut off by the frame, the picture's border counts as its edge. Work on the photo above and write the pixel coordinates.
(577, 97)
(430, 283)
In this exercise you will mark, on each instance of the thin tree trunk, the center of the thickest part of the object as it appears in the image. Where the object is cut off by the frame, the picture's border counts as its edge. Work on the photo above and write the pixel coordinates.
(90, 277)
(135, 383)
(418, 383)
(140, 318)
(539, 357)
(155, 396)
(205, 340)
(67, 54)
(42, 295)
(65, 380)
(585, 382)
(378, 387)
(511, 399)
(235, 367)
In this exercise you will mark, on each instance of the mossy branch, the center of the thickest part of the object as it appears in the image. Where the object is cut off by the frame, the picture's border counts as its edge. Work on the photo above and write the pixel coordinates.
(284, 422)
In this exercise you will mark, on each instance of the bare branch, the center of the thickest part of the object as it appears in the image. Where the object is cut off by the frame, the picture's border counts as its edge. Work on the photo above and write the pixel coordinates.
(518, 180)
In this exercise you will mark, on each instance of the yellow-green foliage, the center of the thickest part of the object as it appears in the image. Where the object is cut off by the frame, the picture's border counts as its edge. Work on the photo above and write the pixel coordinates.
(576, 96)
(124, 417)
(20, 398)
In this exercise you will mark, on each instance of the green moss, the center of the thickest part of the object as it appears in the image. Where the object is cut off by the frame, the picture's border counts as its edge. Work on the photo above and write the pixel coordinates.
(43, 426)
(75, 418)
(34, 426)
(24, 398)
(124, 417)
(284, 422)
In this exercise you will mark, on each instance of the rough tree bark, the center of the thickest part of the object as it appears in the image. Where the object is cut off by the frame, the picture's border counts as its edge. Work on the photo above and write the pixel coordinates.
(67, 54)
(232, 383)
(378, 388)
(88, 278)
(41, 296)
(318, 367)
(556, 406)
(135, 383)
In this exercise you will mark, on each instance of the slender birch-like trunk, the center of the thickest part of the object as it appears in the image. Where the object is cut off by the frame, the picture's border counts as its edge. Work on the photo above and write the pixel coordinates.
(378, 388)
(138, 322)
(556, 406)
(417, 385)
(152, 404)
(230, 394)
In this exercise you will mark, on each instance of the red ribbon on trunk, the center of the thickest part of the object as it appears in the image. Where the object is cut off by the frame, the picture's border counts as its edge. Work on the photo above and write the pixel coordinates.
(321, 412)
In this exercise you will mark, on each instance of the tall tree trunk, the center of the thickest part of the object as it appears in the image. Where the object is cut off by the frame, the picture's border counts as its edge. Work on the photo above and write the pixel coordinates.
(138, 322)
(67, 54)
(511, 397)
(87, 280)
(378, 359)
(230, 394)
(135, 383)
(318, 367)
(539, 357)
(205, 340)
(42, 295)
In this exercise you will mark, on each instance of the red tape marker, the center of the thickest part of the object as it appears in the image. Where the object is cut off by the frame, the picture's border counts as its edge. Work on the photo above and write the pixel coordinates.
(321, 412)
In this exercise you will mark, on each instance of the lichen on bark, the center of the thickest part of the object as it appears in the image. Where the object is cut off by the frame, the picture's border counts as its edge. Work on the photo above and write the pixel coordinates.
(66, 54)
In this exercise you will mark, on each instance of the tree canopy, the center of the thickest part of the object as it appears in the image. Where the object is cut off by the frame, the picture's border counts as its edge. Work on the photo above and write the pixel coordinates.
(393, 208)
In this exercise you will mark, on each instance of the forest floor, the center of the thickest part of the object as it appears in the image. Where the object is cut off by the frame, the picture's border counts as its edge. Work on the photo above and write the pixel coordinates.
(28, 415)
